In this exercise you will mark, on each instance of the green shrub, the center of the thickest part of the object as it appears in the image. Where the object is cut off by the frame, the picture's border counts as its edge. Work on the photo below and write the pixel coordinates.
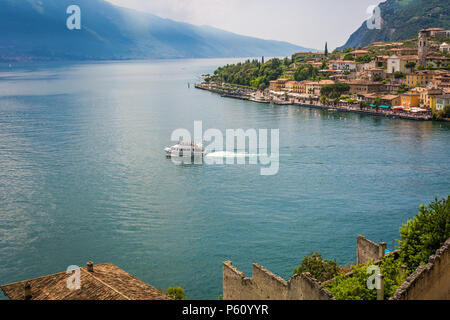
(425, 233)
(354, 287)
(321, 269)
(447, 111)
(421, 237)
(176, 293)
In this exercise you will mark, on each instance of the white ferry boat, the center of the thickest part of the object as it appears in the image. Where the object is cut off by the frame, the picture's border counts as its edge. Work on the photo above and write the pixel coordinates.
(186, 149)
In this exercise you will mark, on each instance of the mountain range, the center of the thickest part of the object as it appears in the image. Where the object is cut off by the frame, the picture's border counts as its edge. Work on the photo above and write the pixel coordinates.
(36, 30)
(401, 20)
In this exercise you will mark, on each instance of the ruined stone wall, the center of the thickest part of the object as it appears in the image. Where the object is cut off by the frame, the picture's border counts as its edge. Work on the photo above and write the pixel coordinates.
(264, 285)
(305, 287)
(367, 250)
(270, 286)
(236, 286)
(429, 282)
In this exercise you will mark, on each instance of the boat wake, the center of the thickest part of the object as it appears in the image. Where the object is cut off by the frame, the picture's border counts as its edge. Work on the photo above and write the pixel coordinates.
(229, 154)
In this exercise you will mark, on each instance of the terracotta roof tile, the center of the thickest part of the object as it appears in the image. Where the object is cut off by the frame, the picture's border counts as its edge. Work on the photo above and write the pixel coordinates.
(106, 282)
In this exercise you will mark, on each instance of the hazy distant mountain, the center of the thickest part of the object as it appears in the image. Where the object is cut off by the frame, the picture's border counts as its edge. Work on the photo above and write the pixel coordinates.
(402, 19)
(36, 29)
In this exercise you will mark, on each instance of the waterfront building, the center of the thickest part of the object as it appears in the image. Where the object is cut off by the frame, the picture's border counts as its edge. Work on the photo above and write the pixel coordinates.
(386, 99)
(442, 101)
(427, 95)
(429, 100)
(391, 100)
(313, 87)
(410, 99)
(363, 86)
(278, 85)
(299, 87)
(295, 86)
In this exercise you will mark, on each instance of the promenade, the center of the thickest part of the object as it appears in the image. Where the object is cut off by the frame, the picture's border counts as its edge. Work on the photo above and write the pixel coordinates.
(269, 98)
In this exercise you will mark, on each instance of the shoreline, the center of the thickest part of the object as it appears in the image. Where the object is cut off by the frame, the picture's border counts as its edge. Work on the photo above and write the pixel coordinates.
(317, 105)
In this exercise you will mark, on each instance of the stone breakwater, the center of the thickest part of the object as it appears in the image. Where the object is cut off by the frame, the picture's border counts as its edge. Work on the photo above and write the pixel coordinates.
(311, 103)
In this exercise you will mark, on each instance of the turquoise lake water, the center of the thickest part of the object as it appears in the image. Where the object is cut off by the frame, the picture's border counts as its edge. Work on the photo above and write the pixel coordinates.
(83, 176)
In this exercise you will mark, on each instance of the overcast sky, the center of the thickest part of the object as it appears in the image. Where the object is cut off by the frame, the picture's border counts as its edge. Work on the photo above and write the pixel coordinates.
(304, 22)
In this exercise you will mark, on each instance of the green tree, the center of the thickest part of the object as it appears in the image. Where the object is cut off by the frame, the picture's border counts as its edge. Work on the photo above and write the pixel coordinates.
(377, 101)
(364, 59)
(402, 89)
(410, 65)
(377, 78)
(305, 72)
(398, 75)
(176, 293)
(326, 49)
(354, 287)
(251, 73)
(348, 57)
(425, 233)
(447, 111)
(333, 91)
(362, 105)
(321, 269)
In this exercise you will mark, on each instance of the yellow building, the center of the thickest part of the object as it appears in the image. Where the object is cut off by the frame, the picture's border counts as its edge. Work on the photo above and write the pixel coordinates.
(278, 85)
(432, 104)
(410, 99)
(427, 95)
(299, 87)
(290, 86)
(438, 102)
(422, 78)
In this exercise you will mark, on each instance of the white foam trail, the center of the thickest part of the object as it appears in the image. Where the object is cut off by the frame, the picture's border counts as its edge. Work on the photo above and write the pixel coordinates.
(229, 154)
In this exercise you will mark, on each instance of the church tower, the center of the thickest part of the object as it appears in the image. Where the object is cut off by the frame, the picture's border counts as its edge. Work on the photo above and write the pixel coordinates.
(423, 47)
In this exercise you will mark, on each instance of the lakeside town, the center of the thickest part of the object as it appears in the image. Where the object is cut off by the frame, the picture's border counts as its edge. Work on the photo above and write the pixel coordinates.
(408, 79)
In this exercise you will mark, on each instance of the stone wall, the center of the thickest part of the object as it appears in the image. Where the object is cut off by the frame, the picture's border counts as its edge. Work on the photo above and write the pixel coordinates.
(428, 282)
(367, 250)
(264, 285)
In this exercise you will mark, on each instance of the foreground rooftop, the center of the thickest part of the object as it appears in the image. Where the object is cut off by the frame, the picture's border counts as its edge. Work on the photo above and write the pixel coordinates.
(101, 282)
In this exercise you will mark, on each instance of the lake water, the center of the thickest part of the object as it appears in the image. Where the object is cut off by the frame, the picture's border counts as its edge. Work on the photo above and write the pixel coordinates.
(83, 176)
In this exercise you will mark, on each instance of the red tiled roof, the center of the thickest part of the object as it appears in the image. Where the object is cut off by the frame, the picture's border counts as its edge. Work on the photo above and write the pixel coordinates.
(106, 282)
